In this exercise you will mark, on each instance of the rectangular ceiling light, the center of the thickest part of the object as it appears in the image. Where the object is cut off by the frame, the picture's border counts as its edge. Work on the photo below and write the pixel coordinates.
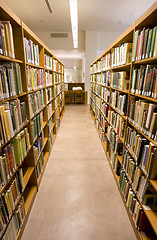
(74, 21)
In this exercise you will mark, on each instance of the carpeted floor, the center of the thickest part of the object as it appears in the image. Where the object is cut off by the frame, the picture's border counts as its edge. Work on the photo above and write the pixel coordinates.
(78, 198)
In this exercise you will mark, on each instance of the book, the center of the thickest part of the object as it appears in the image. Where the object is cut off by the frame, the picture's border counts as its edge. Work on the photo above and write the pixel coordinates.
(135, 45)
(149, 43)
(9, 37)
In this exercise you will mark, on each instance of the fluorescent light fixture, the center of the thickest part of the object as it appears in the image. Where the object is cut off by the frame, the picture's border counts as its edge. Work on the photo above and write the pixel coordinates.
(74, 21)
(48, 5)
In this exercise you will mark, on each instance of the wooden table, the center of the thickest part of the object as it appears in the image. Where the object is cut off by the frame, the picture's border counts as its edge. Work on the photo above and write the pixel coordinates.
(70, 96)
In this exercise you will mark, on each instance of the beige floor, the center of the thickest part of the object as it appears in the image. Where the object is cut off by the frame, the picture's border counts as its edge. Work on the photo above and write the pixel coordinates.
(78, 198)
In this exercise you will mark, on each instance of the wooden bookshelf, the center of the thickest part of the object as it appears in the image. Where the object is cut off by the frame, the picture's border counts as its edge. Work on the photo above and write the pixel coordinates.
(97, 109)
(28, 164)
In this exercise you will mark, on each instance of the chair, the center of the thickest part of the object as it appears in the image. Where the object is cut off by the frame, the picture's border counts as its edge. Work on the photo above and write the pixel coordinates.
(67, 97)
(78, 97)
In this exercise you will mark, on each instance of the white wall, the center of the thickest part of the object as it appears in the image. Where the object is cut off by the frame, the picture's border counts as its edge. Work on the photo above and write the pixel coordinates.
(62, 43)
(90, 55)
(95, 44)
(104, 40)
(73, 75)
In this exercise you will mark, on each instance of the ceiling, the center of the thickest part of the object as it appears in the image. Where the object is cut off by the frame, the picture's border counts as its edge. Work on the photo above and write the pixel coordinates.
(96, 15)
(93, 15)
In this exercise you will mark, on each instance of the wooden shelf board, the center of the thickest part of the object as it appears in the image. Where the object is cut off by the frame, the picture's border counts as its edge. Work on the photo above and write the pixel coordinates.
(27, 175)
(4, 58)
(35, 90)
(149, 139)
(147, 60)
(118, 112)
(40, 177)
(35, 114)
(122, 66)
(46, 156)
(144, 97)
(120, 90)
(33, 65)
(117, 177)
(45, 140)
(47, 69)
(30, 195)
(154, 184)
(51, 85)
(119, 158)
(152, 217)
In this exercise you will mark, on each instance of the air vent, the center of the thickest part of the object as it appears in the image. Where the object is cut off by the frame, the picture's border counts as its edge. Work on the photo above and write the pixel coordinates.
(59, 35)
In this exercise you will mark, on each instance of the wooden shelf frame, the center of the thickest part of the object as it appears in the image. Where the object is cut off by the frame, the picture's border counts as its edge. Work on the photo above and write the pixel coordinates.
(21, 30)
(146, 20)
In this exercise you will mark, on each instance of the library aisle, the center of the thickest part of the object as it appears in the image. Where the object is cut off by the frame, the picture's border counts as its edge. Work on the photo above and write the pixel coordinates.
(78, 198)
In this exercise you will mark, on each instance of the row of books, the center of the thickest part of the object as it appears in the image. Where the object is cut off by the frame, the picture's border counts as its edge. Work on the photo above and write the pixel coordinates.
(104, 78)
(132, 203)
(120, 80)
(114, 140)
(101, 91)
(145, 44)
(36, 102)
(12, 118)
(143, 151)
(51, 139)
(106, 62)
(38, 146)
(50, 124)
(48, 78)
(31, 52)
(122, 54)
(117, 122)
(141, 186)
(10, 197)
(48, 61)
(15, 222)
(60, 67)
(135, 143)
(144, 116)
(36, 125)
(114, 161)
(129, 165)
(40, 165)
(55, 65)
(148, 161)
(94, 78)
(104, 123)
(119, 102)
(6, 39)
(57, 89)
(101, 65)
(57, 115)
(49, 94)
(50, 109)
(144, 81)
(35, 78)
(55, 78)
(12, 155)
(58, 100)
(10, 80)
(60, 76)
(105, 109)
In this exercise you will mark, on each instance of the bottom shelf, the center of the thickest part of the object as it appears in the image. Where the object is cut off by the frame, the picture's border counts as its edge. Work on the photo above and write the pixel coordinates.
(30, 194)
(139, 235)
